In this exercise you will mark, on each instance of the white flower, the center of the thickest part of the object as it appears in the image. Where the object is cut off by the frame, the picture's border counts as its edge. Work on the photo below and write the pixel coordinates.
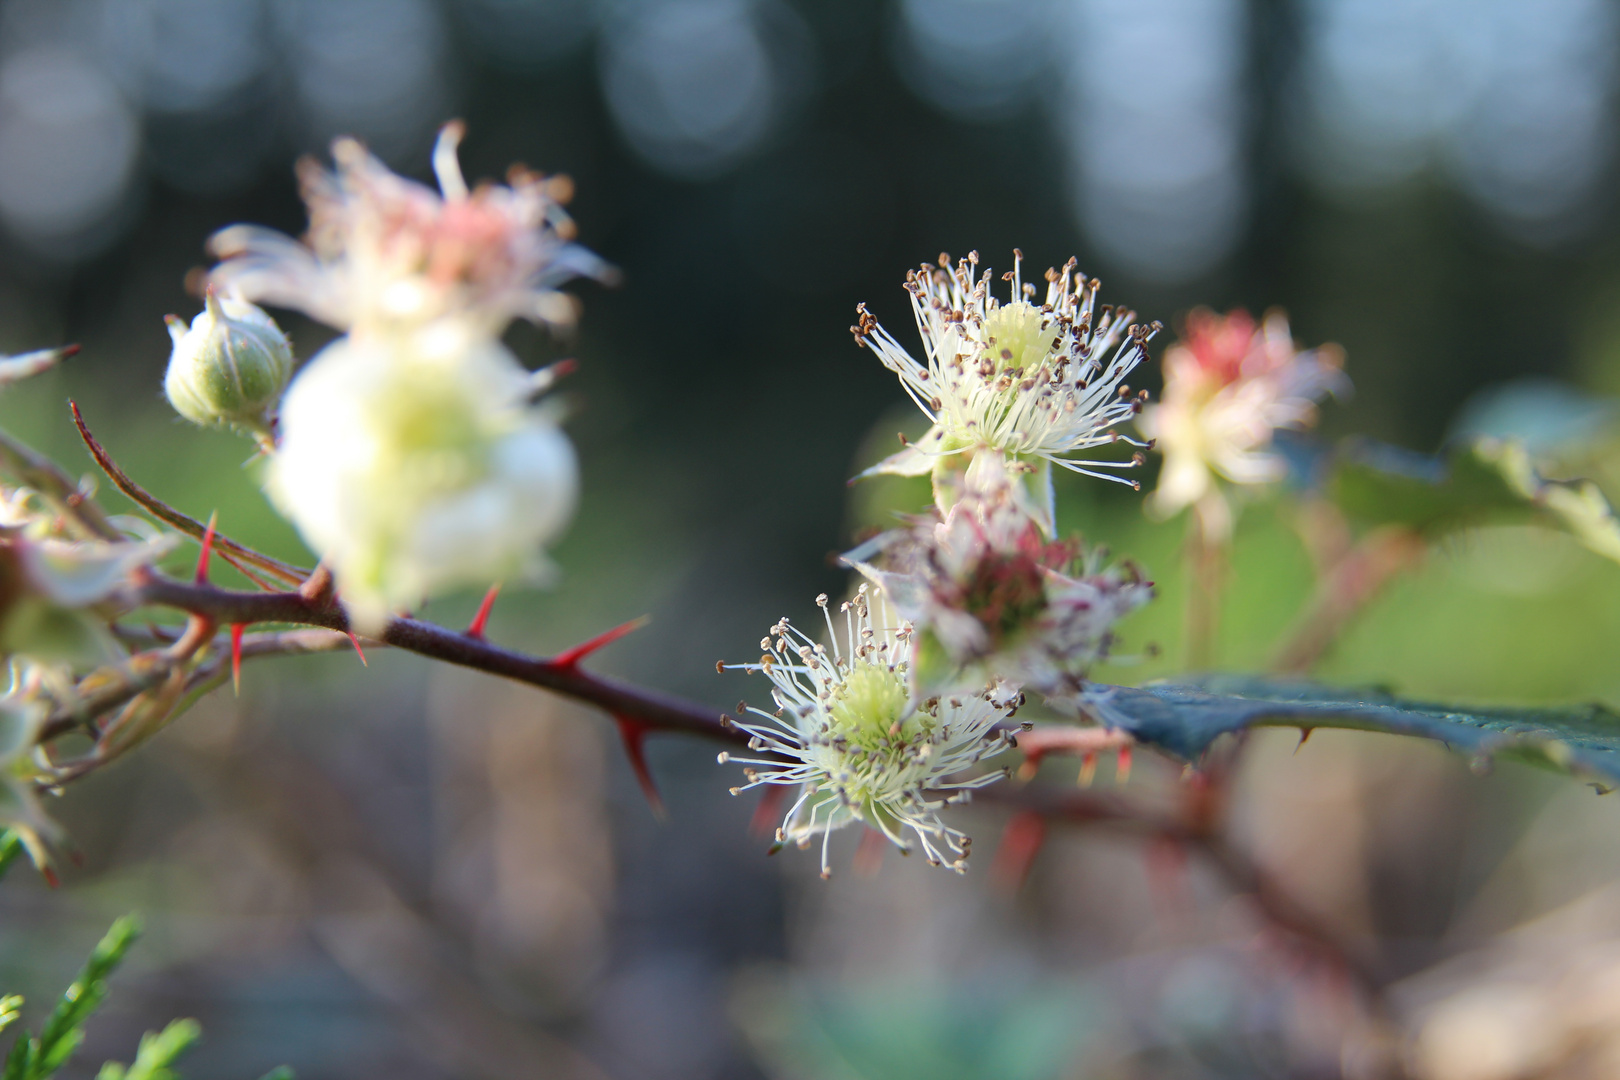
(1036, 383)
(417, 464)
(385, 252)
(982, 583)
(1228, 386)
(849, 731)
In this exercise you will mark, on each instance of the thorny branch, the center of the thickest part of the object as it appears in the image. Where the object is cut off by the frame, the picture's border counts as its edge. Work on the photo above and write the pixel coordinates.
(311, 606)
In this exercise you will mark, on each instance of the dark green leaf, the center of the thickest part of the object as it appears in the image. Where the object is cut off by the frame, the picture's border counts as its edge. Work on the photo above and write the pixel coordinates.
(1486, 481)
(1186, 718)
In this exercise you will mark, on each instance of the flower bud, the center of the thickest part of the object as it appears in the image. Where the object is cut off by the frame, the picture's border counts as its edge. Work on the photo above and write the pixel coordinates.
(230, 367)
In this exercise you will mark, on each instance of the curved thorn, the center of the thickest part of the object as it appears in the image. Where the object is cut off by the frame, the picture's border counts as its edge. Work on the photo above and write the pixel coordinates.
(634, 735)
(475, 629)
(572, 657)
(236, 657)
(207, 552)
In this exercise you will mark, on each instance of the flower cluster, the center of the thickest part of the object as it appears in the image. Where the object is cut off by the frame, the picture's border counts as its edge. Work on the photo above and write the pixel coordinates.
(990, 609)
(411, 453)
(1229, 384)
(985, 587)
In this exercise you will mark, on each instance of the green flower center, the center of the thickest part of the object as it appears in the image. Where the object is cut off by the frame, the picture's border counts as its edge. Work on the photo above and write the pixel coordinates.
(1017, 344)
(870, 707)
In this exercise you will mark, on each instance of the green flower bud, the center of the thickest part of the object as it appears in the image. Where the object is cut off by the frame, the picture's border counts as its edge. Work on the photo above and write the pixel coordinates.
(230, 367)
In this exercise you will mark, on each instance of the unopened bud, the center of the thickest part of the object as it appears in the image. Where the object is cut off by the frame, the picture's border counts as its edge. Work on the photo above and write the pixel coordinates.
(230, 367)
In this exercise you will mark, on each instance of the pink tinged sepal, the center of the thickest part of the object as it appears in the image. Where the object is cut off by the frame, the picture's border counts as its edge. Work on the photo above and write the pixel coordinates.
(633, 733)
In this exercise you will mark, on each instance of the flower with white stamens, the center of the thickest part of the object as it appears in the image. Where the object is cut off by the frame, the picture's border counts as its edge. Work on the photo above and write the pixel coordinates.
(1036, 383)
(387, 253)
(850, 733)
(1229, 384)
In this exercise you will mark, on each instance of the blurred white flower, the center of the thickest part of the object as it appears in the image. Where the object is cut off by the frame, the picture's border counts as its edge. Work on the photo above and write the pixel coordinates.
(385, 253)
(849, 731)
(21, 717)
(1228, 386)
(1037, 383)
(413, 465)
(987, 592)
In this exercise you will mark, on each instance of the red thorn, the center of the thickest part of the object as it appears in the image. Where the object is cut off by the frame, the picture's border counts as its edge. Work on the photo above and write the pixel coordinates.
(356, 643)
(768, 813)
(69, 350)
(475, 629)
(1304, 733)
(564, 367)
(869, 854)
(634, 734)
(207, 549)
(572, 657)
(1088, 768)
(236, 658)
(1167, 875)
(1122, 768)
(1020, 842)
(49, 874)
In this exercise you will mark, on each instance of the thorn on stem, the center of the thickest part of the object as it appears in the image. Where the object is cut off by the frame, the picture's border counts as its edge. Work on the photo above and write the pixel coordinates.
(1304, 733)
(1122, 767)
(1088, 768)
(572, 657)
(869, 853)
(634, 735)
(236, 658)
(1020, 842)
(475, 629)
(768, 813)
(207, 552)
(356, 643)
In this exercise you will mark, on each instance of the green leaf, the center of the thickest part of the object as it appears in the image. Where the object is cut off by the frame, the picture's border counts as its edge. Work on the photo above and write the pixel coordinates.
(64, 1030)
(1185, 718)
(280, 1072)
(11, 848)
(157, 1054)
(10, 1007)
(1487, 481)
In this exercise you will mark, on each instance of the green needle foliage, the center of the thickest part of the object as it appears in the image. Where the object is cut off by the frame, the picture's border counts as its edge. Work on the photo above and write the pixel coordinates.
(158, 1052)
(37, 1058)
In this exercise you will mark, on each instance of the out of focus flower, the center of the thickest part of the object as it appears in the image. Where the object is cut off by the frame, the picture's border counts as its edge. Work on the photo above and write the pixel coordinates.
(385, 253)
(1228, 386)
(51, 590)
(1036, 383)
(416, 469)
(229, 367)
(22, 714)
(849, 731)
(988, 592)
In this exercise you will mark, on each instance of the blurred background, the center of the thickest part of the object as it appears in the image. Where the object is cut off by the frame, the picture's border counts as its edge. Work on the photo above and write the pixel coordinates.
(416, 873)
